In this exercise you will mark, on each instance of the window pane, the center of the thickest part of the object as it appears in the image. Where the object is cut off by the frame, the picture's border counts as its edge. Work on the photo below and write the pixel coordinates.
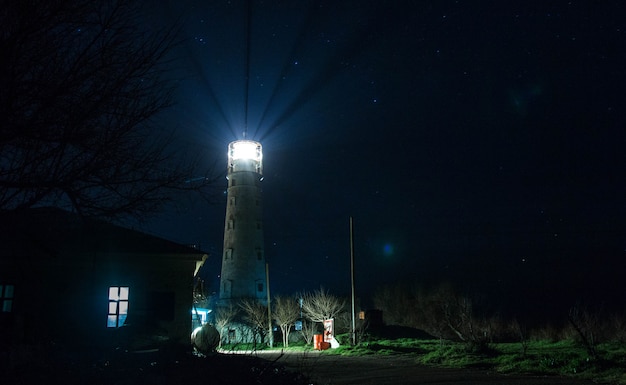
(123, 307)
(122, 319)
(7, 304)
(114, 293)
(124, 293)
(112, 321)
(112, 307)
(8, 291)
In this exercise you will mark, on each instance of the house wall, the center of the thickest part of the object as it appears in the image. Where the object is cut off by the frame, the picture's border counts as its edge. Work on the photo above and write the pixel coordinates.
(64, 298)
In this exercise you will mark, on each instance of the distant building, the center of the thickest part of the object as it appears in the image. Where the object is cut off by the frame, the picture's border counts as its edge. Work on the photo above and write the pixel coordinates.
(75, 281)
(243, 260)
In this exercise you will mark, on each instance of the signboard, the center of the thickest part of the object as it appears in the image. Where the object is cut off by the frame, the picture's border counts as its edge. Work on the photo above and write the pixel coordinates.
(329, 330)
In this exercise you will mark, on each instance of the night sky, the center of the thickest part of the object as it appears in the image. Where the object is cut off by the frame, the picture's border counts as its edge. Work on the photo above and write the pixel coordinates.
(480, 142)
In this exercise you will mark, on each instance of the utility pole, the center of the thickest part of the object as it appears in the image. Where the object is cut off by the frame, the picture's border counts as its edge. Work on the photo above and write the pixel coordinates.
(352, 281)
(270, 334)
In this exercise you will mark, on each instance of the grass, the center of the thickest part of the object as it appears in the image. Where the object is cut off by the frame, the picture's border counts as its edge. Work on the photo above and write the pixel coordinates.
(565, 358)
(383, 347)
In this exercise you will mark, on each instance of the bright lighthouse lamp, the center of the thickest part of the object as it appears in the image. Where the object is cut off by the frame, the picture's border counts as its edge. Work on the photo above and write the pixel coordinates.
(245, 149)
(245, 155)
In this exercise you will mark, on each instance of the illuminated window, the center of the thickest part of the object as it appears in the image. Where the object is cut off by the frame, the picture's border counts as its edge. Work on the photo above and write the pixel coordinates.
(6, 298)
(118, 306)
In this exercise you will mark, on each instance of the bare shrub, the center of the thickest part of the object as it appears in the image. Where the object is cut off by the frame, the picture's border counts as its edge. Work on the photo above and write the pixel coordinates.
(617, 324)
(255, 315)
(548, 332)
(224, 315)
(440, 311)
(309, 329)
(399, 303)
(520, 330)
(587, 326)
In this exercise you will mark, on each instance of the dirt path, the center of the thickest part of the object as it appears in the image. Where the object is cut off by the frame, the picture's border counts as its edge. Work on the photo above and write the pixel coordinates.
(328, 369)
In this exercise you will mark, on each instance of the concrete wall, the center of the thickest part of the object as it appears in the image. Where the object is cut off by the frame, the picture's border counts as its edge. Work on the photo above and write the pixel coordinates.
(243, 260)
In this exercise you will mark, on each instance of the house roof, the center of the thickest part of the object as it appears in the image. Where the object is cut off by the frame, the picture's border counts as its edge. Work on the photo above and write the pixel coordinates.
(54, 229)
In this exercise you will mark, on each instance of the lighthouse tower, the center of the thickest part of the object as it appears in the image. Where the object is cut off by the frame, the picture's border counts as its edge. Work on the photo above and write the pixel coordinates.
(243, 259)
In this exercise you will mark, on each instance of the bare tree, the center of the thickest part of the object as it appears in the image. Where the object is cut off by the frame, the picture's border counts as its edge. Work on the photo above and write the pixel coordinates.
(617, 323)
(82, 84)
(432, 319)
(409, 305)
(320, 305)
(473, 327)
(224, 315)
(440, 311)
(400, 304)
(457, 311)
(255, 314)
(286, 312)
(586, 325)
(521, 331)
(309, 328)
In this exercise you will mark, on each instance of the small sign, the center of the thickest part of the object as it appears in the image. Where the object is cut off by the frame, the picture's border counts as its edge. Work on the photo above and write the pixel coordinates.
(329, 330)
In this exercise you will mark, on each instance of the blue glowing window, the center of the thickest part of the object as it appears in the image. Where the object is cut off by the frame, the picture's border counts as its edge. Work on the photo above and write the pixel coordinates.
(118, 306)
(6, 298)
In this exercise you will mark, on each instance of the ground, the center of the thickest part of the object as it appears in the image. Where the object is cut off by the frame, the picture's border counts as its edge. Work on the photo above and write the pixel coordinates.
(325, 369)
(148, 367)
(259, 368)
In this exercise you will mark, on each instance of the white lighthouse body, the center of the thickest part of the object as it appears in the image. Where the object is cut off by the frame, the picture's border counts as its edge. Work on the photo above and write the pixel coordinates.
(243, 259)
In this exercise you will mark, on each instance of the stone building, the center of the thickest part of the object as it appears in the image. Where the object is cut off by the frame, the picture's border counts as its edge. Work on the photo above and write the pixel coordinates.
(74, 281)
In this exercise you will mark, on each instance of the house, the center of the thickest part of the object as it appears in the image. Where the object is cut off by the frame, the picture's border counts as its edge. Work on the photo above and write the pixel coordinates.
(75, 281)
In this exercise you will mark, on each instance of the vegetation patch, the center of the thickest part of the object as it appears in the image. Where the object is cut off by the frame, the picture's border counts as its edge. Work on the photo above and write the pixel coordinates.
(565, 358)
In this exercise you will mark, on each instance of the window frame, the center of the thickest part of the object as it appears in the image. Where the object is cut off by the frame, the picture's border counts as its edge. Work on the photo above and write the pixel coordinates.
(118, 306)
(7, 300)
